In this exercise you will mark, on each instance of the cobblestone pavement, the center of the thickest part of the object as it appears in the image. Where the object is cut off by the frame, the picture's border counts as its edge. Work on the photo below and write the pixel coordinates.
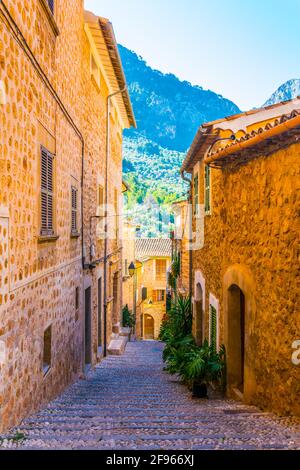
(129, 402)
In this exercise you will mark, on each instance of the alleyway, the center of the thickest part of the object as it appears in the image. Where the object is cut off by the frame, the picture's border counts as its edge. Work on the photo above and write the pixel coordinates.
(128, 402)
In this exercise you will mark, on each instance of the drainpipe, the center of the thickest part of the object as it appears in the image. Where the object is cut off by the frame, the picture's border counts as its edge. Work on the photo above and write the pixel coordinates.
(108, 100)
(189, 181)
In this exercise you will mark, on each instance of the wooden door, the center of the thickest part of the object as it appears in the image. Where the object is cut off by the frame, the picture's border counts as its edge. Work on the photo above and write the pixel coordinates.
(148, 327)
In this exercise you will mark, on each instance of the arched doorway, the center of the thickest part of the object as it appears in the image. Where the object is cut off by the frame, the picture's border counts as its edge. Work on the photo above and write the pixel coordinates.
(148, 327)
(236, 338)
(198, 315)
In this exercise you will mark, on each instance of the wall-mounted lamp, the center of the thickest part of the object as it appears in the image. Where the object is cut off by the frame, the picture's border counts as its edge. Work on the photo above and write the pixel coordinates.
(131, 269)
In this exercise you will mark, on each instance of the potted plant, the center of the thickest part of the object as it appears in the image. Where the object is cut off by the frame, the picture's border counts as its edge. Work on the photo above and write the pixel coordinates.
(204, 366)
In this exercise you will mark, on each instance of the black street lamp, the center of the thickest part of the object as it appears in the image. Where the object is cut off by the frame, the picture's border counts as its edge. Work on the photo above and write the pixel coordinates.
(131, 269)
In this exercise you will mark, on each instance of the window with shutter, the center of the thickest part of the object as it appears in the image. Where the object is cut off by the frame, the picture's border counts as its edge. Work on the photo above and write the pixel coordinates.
(196, 194)
(207, 188)
(74, 193)
(51, 6)
(46, 193)
(126, 273)
(213, 327)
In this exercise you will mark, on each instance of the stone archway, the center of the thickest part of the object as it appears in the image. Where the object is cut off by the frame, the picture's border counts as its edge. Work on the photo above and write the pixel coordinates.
(198, 329)
(239, 319)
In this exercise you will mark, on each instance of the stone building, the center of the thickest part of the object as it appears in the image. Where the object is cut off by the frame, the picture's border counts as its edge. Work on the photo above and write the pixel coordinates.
(57, 67)
(181, 244)
(152, 260)
(245, 176)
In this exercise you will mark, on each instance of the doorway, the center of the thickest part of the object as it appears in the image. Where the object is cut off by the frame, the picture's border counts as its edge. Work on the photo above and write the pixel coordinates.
(88, 326)
(236, 338)
(148, 327)
(199, 317)
(99, 312)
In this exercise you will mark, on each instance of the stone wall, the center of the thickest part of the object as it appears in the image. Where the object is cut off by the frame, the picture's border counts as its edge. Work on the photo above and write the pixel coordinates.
(38, 276)
(251, 240)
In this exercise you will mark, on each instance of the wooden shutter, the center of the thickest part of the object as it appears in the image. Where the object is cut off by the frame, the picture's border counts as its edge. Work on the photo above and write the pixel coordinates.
(161, 269)
(46, 192)
(144, 293)
(74, 208)
(196, 193)
(207, 188)
(51, 5)
(213, 327)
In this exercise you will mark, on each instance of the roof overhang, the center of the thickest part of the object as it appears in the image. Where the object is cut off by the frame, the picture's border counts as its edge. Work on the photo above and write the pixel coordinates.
(100, 32)
(282, 116)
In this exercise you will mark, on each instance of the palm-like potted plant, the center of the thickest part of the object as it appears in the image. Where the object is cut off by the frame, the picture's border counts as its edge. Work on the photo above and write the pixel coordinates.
(203, 366)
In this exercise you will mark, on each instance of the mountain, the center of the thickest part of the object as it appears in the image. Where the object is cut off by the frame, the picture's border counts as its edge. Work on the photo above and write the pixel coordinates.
(287, 91)
(169, 111)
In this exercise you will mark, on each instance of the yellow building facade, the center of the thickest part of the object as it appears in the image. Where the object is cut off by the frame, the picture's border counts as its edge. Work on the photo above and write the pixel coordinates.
(53, 129)
(245, 176)
(145, 293)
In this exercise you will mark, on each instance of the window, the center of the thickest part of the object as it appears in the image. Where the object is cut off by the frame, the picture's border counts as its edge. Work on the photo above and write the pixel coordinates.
(74, 193)
(207, 189)
(196, 194)
(144, 293)
(46, 192)
(159, 295)
(51, 5)
(99, 312)
(161, 269)
(213, 327)
(47, 350)
(126, 267)
(116, 206)
(95, 71)
(77, 298)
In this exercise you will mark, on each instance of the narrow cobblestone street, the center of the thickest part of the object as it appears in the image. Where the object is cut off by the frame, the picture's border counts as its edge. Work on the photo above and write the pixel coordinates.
(129, 402)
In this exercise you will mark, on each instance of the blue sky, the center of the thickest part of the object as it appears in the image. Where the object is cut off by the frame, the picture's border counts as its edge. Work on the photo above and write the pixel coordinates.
(243, 49)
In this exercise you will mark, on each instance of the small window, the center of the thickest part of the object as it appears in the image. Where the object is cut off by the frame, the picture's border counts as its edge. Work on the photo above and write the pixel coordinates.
(100, 201)
(161, 269)
(47, 196)
(213, 327)
(159, 295)
(95, 71)
(47, 350)
(77, 298)
(51, 6)
(126, 267)
(74, 197)
(144, 293)
(207, 189)
(196, 194)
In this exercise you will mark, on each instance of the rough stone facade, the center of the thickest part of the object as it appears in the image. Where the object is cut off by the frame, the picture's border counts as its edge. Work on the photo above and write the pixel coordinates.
(250, 247)
(56, 105)
(181, 243)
